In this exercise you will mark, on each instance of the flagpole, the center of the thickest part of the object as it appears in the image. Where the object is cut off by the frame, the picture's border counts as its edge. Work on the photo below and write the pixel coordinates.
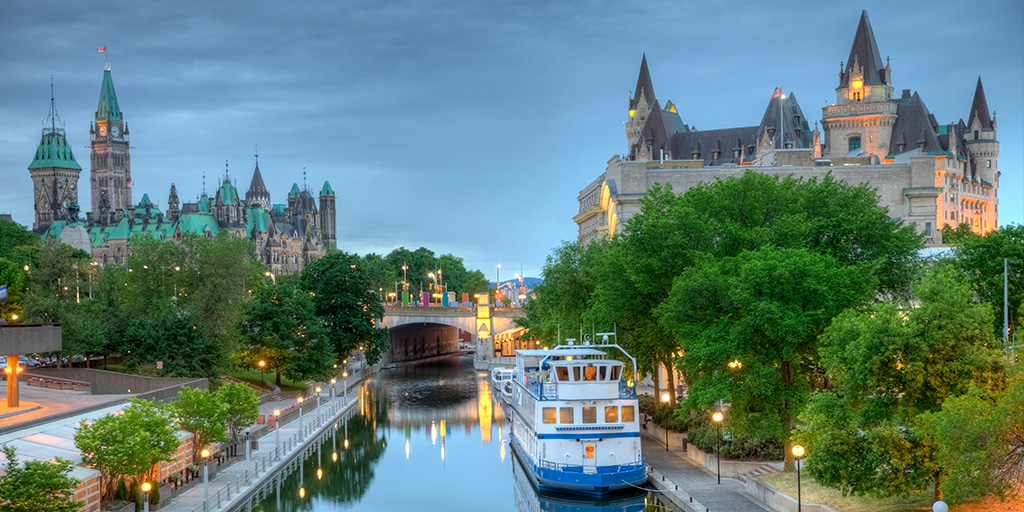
(781, 123)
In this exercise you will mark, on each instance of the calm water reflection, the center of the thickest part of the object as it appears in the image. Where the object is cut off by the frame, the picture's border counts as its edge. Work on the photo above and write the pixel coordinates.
(422, 438)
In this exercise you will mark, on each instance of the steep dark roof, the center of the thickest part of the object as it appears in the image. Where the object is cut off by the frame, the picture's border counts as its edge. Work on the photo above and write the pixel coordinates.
(653, 133)
(108, 108)
(864, 52)
(914, 126)
(979, 107)
(643, 83)
(709, 142)
(257, 190)
(793, 121)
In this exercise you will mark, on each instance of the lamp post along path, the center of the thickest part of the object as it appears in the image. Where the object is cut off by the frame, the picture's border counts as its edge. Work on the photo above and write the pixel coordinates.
(717, 418)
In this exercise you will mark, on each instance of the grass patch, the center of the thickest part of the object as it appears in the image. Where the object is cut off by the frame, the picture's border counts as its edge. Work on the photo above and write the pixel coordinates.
(255, 377)
(814, 493)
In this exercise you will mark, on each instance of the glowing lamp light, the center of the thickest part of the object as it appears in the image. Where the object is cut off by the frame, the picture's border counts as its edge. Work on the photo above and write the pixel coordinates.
(632, 113)
(205, 453)
(798, 451)
(318, 389)
(146, 486)
(302, 492)
(319, 473)
(718, 417)
(857, 83)
(334, 456)
(664, 397)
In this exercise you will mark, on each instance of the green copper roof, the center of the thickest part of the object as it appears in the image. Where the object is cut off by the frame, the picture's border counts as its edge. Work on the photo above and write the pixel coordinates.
(295, 190)
(280, 208)
(121, 231)
(227, 193)
(54, 151)
(145, 201)
(256, 218)
(108, 109)
(53, 232)
(197, 223)
(327, 190)
(204, 204)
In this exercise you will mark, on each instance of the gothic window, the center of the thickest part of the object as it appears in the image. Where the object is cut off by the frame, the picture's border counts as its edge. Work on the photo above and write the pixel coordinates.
(927, 229)
(976, 135)
(854, 143)
(988, 163)
(857, 96)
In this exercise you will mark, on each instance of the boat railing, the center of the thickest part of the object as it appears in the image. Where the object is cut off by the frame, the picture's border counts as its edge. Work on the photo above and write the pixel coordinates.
(548, 390)
(576, 468)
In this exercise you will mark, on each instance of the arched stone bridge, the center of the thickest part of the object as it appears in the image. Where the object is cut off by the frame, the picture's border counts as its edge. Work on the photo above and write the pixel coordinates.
(420, 332)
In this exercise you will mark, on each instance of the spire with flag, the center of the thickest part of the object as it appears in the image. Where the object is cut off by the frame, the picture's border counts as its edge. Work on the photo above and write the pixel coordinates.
(777, 93)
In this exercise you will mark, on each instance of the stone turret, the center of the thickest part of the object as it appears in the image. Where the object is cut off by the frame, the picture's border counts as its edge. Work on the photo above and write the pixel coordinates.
(54, 174)
(328, 217)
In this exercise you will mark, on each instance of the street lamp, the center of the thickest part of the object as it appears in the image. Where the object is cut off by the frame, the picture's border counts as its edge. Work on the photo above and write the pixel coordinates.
(718, 417)
(344, 375)
(497, 278)
(273, 278)
(301, 430)
(333, 382)
(665, 398)
(798, 452)
(277, 433)
(318, 405)
(146, 486)
(940, 506)
(206, 480)
(263, 373)
(248, 453)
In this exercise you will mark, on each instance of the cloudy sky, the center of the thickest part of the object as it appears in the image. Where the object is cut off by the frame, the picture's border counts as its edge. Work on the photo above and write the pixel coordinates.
(466, 126)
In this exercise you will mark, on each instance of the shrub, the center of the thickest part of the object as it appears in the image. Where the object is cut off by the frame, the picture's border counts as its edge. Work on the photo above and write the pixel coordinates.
(666, 416)
(704, 435)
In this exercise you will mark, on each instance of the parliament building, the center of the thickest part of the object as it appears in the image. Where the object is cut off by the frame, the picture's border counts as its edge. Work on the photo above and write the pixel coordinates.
(287, 236)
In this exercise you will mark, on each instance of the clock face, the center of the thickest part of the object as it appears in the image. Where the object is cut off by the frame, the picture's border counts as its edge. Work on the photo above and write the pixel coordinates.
(115, 131)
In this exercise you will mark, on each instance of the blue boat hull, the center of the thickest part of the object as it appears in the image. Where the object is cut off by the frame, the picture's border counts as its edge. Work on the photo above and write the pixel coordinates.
(577, 482)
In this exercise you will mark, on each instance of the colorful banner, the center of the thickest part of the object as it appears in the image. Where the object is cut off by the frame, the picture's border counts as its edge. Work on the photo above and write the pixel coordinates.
(405, 298)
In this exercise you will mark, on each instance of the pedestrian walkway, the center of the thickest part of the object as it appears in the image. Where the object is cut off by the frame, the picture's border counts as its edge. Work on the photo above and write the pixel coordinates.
(276, 448)
(691, 488)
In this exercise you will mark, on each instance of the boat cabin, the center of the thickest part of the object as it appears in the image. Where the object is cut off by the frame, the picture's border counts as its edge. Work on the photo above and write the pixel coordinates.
(569, 373)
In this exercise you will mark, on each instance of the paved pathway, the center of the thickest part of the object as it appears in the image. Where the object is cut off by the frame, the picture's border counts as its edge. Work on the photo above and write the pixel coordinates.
(671, 470)
(241, 477)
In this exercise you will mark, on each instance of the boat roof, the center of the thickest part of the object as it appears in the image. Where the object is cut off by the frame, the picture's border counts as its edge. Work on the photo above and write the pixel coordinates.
(562, 352)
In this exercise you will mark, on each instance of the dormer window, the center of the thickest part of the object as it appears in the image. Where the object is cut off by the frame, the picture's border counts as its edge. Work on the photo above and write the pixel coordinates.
(695, 156)
(715, 155)
(736, 153)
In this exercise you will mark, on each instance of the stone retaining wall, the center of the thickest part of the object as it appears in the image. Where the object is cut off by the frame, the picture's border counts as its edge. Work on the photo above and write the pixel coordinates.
(779, 501)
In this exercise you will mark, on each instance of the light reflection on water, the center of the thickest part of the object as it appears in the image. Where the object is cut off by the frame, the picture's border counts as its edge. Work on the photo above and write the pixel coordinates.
(425, 437)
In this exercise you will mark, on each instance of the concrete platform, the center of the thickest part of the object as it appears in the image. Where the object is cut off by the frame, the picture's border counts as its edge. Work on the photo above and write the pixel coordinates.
(49, 403)
(6, 412)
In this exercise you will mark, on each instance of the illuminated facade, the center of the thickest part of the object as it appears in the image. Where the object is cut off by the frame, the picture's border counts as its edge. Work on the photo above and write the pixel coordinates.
(927, 175)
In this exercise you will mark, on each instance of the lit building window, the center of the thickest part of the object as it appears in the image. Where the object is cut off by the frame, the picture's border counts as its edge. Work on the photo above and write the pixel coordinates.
(854, 143)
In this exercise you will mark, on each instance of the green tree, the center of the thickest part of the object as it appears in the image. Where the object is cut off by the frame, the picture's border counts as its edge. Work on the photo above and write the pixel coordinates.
(13, 276)
(992, 426)
(476, 284)
(889, 367)
(981, 258)
(419, 263)
(563, 298)
(17, 243)
(241, 404)
(764, 308)
(126, 447)
(176, 338)
(203, 414)
(281, 327)
(38, 486)
(382, 275)
(342, 298)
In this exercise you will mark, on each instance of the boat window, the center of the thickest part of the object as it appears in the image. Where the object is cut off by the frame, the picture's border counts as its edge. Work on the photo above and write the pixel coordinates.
(562, 373)
(565, 415)
(590, 451)
(627, 414)
(615, 372)
(590, 373)
(549, 414)
(611, 414)
(576, 373)
(603, 372)
(590, 415)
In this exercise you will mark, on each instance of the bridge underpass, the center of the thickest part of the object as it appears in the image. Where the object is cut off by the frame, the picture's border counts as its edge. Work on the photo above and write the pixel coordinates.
(422, 332)
(410, 342)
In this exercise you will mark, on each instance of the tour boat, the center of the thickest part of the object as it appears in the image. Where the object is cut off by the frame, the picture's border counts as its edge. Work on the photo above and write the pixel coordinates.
(502, 380)
(575, 420)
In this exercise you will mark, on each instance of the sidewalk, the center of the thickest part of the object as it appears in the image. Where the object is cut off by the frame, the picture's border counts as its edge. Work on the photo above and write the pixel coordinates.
(698, 490)
(244, 477)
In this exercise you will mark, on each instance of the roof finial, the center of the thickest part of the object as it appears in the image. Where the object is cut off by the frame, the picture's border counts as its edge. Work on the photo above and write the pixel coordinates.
(227, 177)
(257, 154)
(204, 183)
(53, 112)
(304, 187)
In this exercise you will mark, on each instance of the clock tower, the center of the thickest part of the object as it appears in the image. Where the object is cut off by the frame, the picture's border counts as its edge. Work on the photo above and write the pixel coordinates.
(110, 161)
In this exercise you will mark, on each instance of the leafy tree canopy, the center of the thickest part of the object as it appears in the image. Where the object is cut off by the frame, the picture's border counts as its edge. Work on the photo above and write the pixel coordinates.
(38, 485)
(242, 406)
(203, 414)
(349, 308)
(981, 258)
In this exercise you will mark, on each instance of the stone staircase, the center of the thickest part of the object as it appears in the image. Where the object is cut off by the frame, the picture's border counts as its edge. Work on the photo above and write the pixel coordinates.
(261, 391)
(763, 469)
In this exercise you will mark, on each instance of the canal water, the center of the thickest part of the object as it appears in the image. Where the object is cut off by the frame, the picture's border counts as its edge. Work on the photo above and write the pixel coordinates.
(423, 438)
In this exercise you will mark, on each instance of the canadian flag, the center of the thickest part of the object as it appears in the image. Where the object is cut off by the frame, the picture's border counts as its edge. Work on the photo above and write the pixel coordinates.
(777, 93)
(101, 50)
